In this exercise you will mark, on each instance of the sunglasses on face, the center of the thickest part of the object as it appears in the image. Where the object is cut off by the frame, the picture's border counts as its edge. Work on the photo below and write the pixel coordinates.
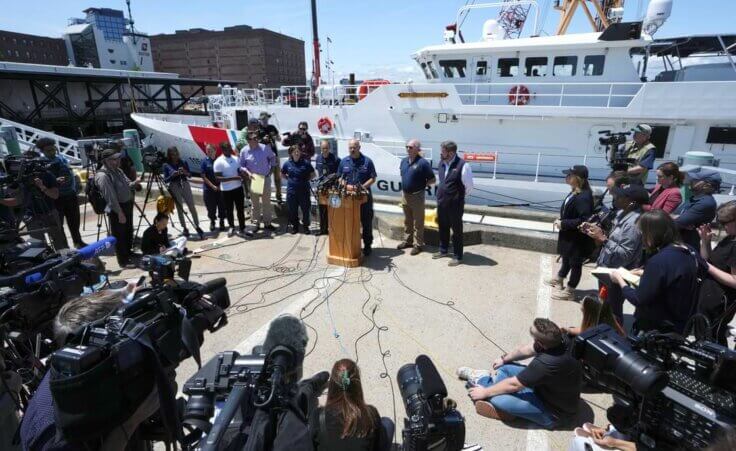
(302, 129)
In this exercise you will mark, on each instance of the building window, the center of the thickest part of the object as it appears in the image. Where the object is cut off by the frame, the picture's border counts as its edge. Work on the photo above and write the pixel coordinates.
(123, 63)
(535, 66)
(15, 41)
(17, 54)
(593, 65)
(508, 67)
(24, 42)
(453, 68)
(565, 66)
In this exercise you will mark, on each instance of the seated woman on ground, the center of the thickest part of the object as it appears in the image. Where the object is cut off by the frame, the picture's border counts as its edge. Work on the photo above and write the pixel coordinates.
(346, 422)
(155, 239)
(595, 313)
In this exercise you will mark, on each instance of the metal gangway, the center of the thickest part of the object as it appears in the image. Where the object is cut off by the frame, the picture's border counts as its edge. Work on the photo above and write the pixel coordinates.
(27, 137)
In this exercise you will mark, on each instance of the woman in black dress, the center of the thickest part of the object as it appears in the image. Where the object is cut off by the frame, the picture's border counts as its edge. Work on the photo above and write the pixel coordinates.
(346, 422)
(573, 245)
(718, 296)
(156, 239)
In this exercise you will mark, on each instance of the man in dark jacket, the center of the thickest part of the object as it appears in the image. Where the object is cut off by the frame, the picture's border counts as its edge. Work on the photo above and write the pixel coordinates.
(700, 208)
(456, 182)
(572, 244)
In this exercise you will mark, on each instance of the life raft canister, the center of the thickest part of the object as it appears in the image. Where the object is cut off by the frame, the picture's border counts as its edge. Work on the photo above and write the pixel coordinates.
(519, 95)
(324, 125)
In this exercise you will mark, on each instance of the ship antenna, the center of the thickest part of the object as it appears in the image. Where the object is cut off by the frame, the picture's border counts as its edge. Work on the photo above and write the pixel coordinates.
(131, 21)
(315, 37)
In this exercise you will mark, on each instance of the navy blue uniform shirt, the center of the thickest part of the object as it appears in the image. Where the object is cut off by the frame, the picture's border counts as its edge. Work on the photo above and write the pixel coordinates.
(414, 176)
(298, 174)
(326, 166)
(171, 173)
(207, 170)
(356, 171)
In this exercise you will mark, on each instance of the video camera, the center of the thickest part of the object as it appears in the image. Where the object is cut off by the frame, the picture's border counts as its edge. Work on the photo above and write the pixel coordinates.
(432, 422)
(671, 392)
(291, 139)
(111, 365)
(153, 159)
(615, 149)
(20, 170)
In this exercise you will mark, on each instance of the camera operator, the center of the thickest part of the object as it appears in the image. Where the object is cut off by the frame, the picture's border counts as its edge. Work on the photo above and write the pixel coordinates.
(38, 428)
(667, 294)
(546, 392)
(67, 204)
(700, 208)
(155, 239)
(116, 188)
(39, 211)
(622, 245)
(302, 138)
(176, 176)
(269, 137)
(346, 422)
(641, 151)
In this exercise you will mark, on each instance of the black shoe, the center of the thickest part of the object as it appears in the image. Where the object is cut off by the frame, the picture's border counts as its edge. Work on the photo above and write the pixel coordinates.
(293, 230)
(269, 227)
(185, 232)
(415, 250)
(200, 232)
(246, 232)
(367, 251)
(404, 245)
(213, 226)
(305, 230)
(222, 225)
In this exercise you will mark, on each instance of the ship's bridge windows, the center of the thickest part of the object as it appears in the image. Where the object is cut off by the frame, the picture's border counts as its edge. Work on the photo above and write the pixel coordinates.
(432, 70)
(565, 66)
(426, 71)
(453, 68)
(593, 65)
(481, 68)
(535, 66)
(508, 67)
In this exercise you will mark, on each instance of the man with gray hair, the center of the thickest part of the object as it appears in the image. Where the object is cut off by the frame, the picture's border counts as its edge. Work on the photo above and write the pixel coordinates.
(416, 177)
(641, 152)
(456, 182)
(357, 169)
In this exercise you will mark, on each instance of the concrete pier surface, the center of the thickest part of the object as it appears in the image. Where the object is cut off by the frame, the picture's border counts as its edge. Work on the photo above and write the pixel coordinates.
(385, 313)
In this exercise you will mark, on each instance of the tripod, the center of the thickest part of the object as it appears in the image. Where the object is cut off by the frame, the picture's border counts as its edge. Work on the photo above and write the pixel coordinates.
(155, 177)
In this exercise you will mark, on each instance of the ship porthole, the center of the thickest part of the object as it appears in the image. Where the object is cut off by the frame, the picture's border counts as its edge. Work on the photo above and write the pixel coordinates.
(426, 126)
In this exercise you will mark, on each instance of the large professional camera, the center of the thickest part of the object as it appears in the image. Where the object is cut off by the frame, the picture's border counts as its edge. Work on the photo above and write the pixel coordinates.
(111, 365)
(671, 393)
(21, 170)
(432, 422)
(291, 139)
(615, 149)
(153, 159)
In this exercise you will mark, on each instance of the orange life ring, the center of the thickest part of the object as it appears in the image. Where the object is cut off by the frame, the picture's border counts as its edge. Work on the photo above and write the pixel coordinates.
(324, 125)
(519, 95)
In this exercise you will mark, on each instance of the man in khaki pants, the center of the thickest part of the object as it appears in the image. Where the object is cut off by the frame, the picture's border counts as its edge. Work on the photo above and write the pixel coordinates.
(416, 176)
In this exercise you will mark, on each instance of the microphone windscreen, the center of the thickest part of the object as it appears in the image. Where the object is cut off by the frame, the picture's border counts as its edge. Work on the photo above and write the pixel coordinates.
(93, 249)
(432, 383)
(287, 330)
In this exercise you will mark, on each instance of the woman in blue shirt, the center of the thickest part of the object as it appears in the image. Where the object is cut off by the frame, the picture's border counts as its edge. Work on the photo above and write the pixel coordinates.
(211, 189)
(176, 176)
(298, 172)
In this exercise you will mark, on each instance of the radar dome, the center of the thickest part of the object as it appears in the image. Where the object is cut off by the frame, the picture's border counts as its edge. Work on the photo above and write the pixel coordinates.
(657, 14)
(492, 30)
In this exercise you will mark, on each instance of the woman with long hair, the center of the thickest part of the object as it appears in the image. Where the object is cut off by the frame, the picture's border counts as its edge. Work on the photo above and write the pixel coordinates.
(573, 245)
(595, 313)
(718, 293)
(667, 294)
(666, 193)
(346, 422)
(155, 239)
(176, 176)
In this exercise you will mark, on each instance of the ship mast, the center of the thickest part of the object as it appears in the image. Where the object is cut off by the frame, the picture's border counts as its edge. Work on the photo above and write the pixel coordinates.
(602, 9)
(315, 41)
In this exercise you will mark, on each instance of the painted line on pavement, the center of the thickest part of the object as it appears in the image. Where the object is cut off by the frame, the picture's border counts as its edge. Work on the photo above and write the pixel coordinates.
(537, 439)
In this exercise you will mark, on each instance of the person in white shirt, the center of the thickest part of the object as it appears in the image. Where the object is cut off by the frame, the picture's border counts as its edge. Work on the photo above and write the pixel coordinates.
(227, 171)
(455, 184)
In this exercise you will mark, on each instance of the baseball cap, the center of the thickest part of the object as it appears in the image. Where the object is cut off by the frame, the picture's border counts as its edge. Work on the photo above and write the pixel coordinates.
(264, 115)
(642, 128)
(110, 153)
(579, 170)
(253, 120)
(705, 175)
(635, 192)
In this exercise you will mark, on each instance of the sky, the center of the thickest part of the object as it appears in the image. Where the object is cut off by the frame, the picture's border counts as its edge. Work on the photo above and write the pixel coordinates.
(373, 39)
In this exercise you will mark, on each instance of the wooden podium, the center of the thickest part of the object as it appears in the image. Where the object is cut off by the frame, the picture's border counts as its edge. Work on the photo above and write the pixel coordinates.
(344, 229)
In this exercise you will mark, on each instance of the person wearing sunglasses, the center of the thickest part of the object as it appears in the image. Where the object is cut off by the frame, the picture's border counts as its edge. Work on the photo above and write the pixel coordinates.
(416, 177)
(718, 293)
(303, 139)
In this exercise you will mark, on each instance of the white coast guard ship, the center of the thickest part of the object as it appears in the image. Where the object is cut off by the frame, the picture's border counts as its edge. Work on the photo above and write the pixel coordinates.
(520, 110)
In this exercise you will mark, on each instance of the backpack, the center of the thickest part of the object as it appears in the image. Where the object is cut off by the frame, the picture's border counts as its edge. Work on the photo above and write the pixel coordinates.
(95, 197)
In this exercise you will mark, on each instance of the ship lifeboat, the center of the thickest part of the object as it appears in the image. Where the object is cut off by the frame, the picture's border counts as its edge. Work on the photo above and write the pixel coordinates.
(368, 86)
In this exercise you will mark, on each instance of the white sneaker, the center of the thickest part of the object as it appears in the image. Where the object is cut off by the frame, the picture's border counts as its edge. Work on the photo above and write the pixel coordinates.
(565, 294)
(471, 375)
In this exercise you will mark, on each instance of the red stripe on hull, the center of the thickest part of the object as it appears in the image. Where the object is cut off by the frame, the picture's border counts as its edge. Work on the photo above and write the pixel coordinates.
(208, 135)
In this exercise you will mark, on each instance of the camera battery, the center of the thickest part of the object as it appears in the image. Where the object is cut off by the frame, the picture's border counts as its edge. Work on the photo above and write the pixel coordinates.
(75, 360)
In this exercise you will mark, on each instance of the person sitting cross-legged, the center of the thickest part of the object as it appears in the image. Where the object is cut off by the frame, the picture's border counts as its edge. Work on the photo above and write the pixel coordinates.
(545, 392)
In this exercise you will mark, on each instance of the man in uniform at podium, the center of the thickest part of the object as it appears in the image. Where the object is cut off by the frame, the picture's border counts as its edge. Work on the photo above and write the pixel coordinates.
(357, 169)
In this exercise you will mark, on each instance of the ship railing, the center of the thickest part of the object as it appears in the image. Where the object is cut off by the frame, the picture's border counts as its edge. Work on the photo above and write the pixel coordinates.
(27, 137)
(538, 164)
(601, 95)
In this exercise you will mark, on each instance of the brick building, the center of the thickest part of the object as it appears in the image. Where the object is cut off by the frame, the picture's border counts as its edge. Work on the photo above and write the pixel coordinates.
(258, 57)
(28, 48)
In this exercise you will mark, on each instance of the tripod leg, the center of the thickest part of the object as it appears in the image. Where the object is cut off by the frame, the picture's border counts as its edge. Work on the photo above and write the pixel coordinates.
(149, 185)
